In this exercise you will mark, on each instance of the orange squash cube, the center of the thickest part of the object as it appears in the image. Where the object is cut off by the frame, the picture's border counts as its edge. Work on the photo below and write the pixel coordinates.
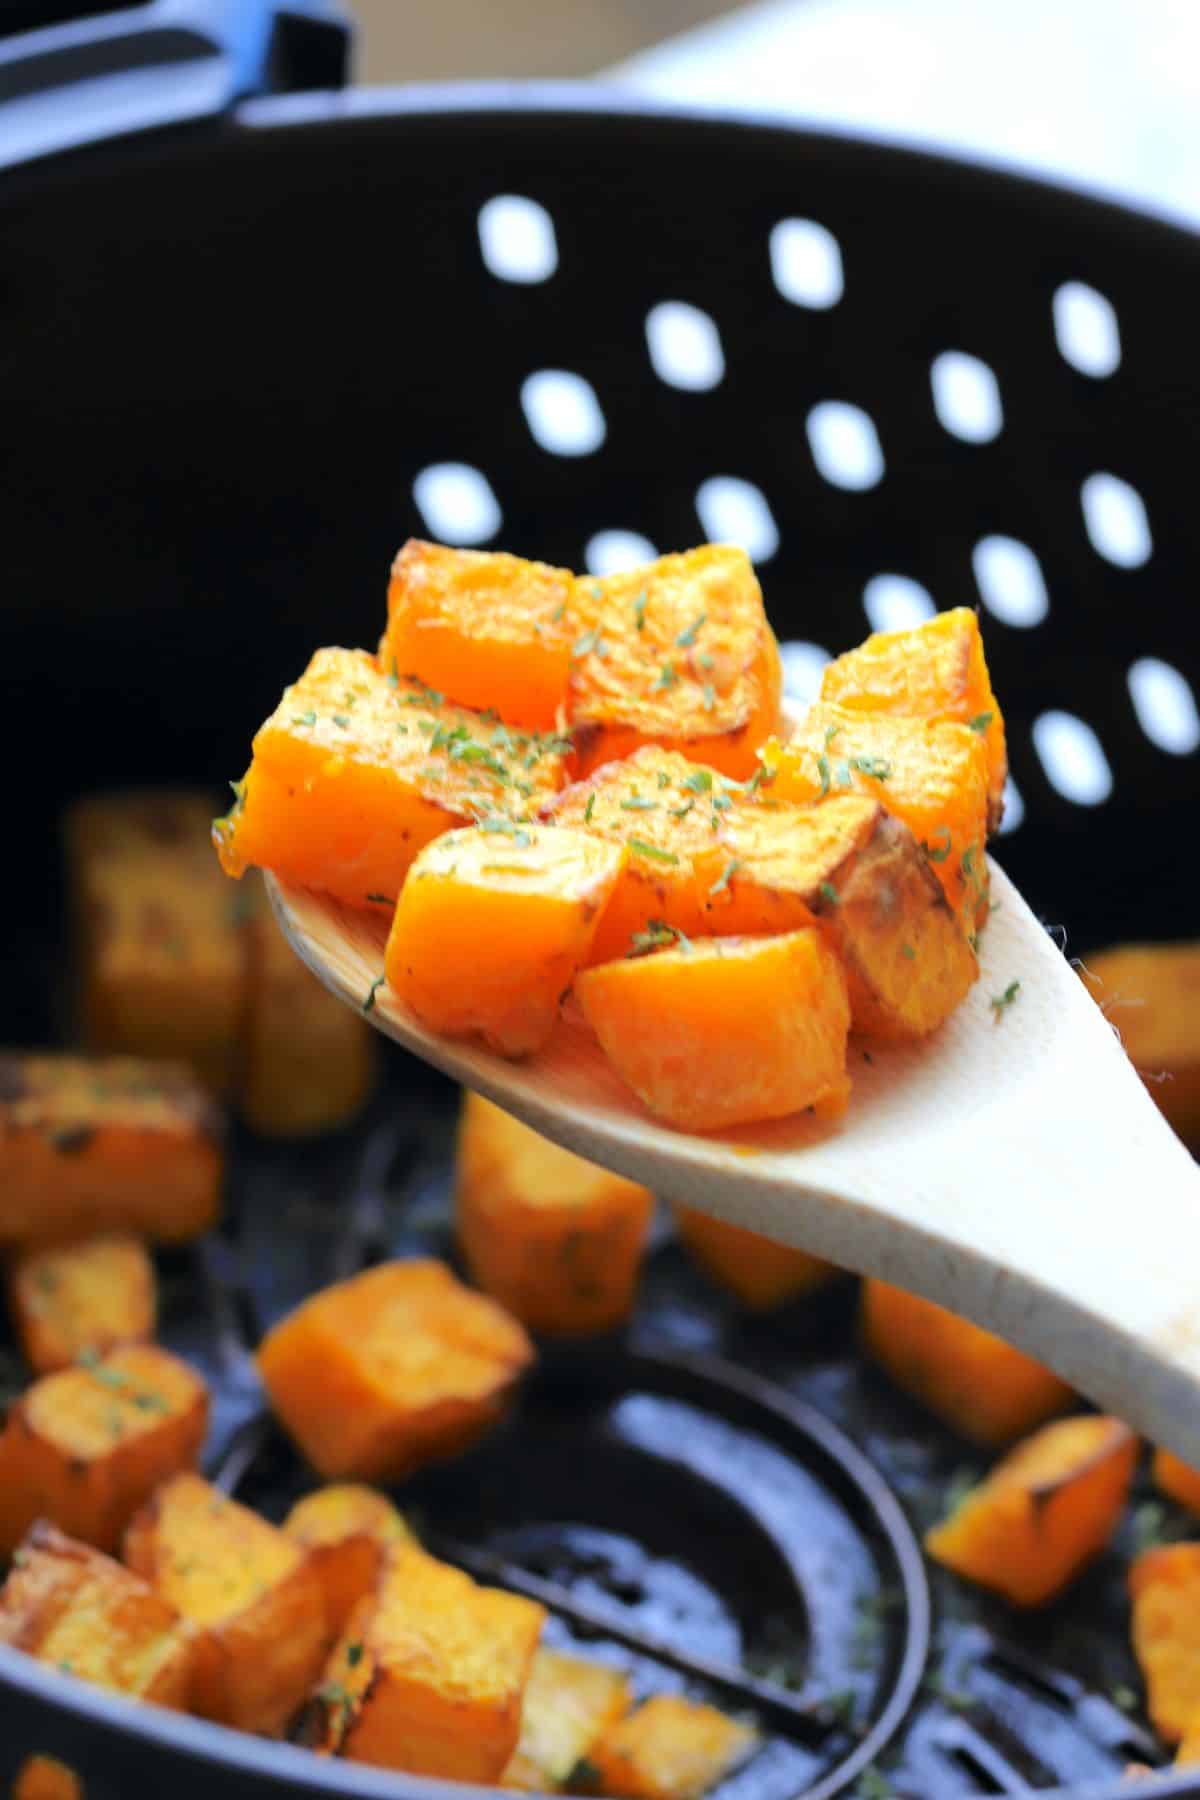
(669, 1749)
(932, 671)
(971, 1379)
(492, 926)
(46, 1778)
(1043, 1513)
(105, 1145)
(77, 1610)
(568, 1703)
(552, 1237)
(488, 629)
(85, 1447)
(759, 1272)
(726, 1031)
(1188, 1752)
(345, 1530)
(431, 1675)
(1164, 1587)
(678, 653)
(1177, 1479)
(1151, 993)
(91, 1295)
(356, 771)
(250, 1594)
(396, 1367)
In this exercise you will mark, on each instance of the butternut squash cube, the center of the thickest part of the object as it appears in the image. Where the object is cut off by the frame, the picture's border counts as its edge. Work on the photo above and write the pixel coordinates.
(971, 1379)
(158, 950)
(85, 1447)
(345, 1530)
(1177, 1479)
(251, 1595)
(568, 1703)
(1043, 1513)
(930, 774)
(46, 1778)
(678, 653)
(73, 1608)
(552, 1237)
(1164, 1587)
(726, 1031)
(396, 1367)
(105, 1145)
(1188, 1752)
(759, 1272)
(1151, 993)
(90, 1295)
(489, 629)
(356, 771)
(431, 1676)
(932, 671)
(669, 1749)
(492, 927)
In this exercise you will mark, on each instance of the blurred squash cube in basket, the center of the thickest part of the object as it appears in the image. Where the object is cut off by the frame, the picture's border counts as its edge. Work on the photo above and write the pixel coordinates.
(46, 1778)
(669, 1749)
(1164, 1589)
(67, 1300)
(1151, 994)
(758, 1271)
(345, 1530)
(568, 1703)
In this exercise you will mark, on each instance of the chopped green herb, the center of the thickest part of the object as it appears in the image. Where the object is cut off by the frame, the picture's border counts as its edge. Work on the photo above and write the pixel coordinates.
(873, 766)
(723, 880)
(980, 722)
(354, 1655)
(831, 732)
(342, 720)
(1122, 1695)
(908, 953)
(368, 1004)
(872, 1785)
(664, 780)
(829, 893)
(721, 802)
(939, 853)
(705, 660)
(710, 698)
(306, 718)
(655, 937)
(687, 638)
(639, 610)
(381, 900)
(556, 615)
(636, 803)
(681, 812)
(590, 644)
(967, 865)
(700, 781)
(842, 772)
(999, 1002)
(589, 809)
(652, 851)
(506, 828)
(1147, 1528)
(424, 696)
(823, 772)
(597, 591)
(666, 677)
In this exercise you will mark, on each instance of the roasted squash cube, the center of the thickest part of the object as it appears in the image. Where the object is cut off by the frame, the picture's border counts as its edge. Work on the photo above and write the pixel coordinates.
(930, 774)
(355, 772)
(431, 1675)
(932, 671)
(345, 1529)
(555, 1239)
(105, 1145)
(1164, 1586)
(726, 1031)
(159, 955)
(1151, 993)
(1177, 1479)
(394, 1368)
(669, 1749)
(1043, 1513)
(69, 1606)
(761, 1273)
(677, 653)
(971, 1379)
(85, 1447)
(489, 629)
(90, 1295)
(568, 1703)
(46, 1778)
(492, 927)
(250, 1594)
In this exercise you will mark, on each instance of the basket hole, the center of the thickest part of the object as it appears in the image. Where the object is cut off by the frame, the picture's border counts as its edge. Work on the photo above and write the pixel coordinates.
(1014, 808)
(845, 445)
(733, 511)
(1116, 521)
(457, 504)
(1070, 753)
(516, 238)
(1165, 706)
(685, 346)
(896, 602)
(1086, 330)
(611, 552)
(966, 397)
(1010, 581)
(563, 412)
(806, 263)
(802, 667)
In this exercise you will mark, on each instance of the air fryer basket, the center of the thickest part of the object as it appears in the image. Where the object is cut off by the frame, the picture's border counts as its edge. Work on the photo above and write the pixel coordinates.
(226, 366)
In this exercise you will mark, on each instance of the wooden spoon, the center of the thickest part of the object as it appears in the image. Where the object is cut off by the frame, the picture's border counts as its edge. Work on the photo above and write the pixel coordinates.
(1011, 1167)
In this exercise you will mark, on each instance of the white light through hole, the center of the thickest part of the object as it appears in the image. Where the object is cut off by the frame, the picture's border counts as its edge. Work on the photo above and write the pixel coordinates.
(895, 602)
(1010, 581)
(845, 445)
(612, 552)
(1165, 706)
(732, 511)
(1086, 330)
(457, 504)
(563, 412)
(806, 263)
(802, 666)
(516, 239)
(1014, 808)
(966, 397)
(1116, 521)
(685, 346)
(1070, 753)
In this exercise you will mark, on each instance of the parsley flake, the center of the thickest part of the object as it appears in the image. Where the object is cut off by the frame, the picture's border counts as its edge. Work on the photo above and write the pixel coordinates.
(908, 953)
(342, 720)
(722, 881)
(589, 809)
(942, 851)
(681, 812)
(823, 772)
(700, 781)
(368, 1004)
(354, 1655)
(652, 851)
(829, 893)
(876, 767)
(308, 718)
(506, 828)
(666, 677)
(639, 611)
(381, 899)
(590, 644)
(980, 722)
(710, 698)
(1000, 1002)
(657, 935)
(636, 803)
(687, 638)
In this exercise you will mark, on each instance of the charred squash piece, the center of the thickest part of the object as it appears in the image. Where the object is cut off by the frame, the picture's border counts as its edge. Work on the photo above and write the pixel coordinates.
(87, 1296)
(970, 1378)
(106, 1144)
(394, 1368)
(669, 1749)
(1043, 1513)
(355, 772)
(345, 1530)
(1177, 1479)
(932, 671)
(77, 1610)
(492, 926)
(728, 1031)
(568, 1703)
(488, 629)
(757, 1271)
(250, 1594)
(85, 1447)
(1151, 993)
(1164, 1586)
(677, 653)
(555, 1239)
